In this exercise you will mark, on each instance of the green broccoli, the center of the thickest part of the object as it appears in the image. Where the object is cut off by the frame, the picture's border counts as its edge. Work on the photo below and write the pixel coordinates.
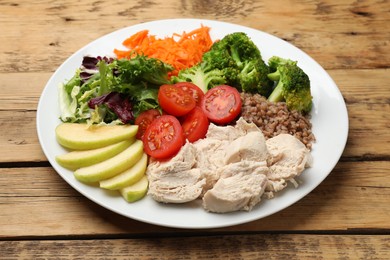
(201, 75)
(293, 85)
(239, 47)
(248, 72)
(274, 62)
(253, 78)
(234, 60)
(218, 58)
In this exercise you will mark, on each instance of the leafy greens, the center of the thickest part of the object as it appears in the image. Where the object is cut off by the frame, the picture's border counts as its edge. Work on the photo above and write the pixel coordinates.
(112, 91)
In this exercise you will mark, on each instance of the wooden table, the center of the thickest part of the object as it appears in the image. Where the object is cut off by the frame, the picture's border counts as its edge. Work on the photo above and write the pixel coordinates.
(346, 217)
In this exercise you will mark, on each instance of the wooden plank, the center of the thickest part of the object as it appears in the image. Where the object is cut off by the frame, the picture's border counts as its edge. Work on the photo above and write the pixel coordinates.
(336, 34)
(40, 203)
(363, 85)
(21, 91)
(18, 137)
(257, 246)
(369, 134)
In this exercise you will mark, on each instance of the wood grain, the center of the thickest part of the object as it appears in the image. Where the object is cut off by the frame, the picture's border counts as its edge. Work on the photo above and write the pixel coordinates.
(256, 246)
(41, 203)
(345, 217)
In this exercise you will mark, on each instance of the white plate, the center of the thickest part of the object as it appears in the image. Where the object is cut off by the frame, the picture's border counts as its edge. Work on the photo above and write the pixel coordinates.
(329, 119)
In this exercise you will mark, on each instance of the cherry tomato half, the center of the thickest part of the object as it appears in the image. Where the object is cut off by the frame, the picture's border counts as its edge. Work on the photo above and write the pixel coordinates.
(191, 89)
(195, 124)
(222, 104)
(163, 138)
(175, 101)
(144, 119)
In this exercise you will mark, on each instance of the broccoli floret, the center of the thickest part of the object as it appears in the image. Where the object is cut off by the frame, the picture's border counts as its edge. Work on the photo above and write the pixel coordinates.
(241, 62)
(234, 60)
(293, 85)
(201, 75)
(218, 58)
(239, 47)
(274, 62)
(253, 78)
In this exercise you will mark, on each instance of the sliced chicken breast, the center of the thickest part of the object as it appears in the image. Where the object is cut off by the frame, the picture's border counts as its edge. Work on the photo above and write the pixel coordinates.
(250, 147)
(175, 180)
(210, 154)
(240, 187)
(291, 157)
(176, 187)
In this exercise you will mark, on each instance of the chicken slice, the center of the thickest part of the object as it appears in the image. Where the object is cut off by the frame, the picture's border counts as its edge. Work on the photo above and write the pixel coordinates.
(175, 180)
(229, 133)
(291, 157)
(176, 187)
(184, 160)
(244, 127)
(250, 147)
(222, 133)
(240, 187)
(217, 149)
(210, 154)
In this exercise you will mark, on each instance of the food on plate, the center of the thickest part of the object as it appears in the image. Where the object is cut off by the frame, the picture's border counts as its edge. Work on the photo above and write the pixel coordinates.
(136, 191)
(164, 137)
(193, 90)
(81, 158)
(112, 166)
(233, 60)
(228, 169)
(274, 118)
(289, 158)
(213, 121)
(144, 120)
(250, 71)
(202, 75)
(174, 100)
(127, 177)
(176, 180)
(120, 166)
(240, 187)
(83, 137)
(195, 124)
(293, 84)
(180, 50)
(248, 147)
(111, 91)
(222, 104)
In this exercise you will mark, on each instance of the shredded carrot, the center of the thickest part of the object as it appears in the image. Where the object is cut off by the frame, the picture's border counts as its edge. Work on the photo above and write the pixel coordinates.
(181, 51)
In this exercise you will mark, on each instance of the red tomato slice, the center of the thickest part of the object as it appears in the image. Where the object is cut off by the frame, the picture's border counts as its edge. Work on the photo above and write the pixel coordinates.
(175, 101)
(222, 104)
(195, 125)
(191, 89)
(163, 138)
(144, 119)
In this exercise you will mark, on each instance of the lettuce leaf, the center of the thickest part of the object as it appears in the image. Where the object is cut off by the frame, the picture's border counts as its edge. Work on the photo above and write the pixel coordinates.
(131, 85)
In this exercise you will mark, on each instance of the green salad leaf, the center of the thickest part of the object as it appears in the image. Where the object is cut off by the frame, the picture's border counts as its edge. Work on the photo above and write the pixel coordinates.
(112, 91)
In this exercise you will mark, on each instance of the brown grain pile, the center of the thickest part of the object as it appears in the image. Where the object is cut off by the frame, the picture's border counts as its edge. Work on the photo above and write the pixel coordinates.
(274, 118)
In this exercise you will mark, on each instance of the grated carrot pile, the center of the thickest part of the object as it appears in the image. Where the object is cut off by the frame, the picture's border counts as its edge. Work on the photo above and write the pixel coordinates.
(181, 51)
